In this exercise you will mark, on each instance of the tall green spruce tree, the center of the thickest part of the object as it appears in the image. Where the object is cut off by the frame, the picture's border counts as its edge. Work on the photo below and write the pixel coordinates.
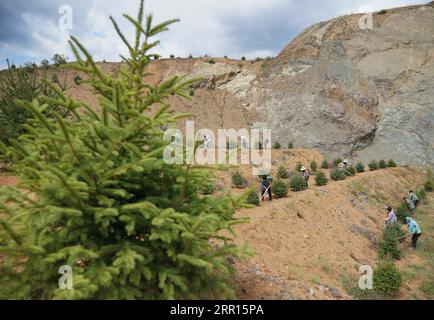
(96, 194)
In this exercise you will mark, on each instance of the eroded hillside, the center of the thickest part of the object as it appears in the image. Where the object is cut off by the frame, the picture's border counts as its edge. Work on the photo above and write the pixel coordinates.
(307, 243)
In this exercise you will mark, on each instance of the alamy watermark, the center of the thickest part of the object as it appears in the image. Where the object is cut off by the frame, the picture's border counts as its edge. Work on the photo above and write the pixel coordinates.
(66, 280)
(66, 20)
(366, 22)
(220, 148)
(366, 280)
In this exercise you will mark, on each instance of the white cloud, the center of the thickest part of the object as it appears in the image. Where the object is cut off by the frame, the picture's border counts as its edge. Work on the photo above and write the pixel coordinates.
(214, 27)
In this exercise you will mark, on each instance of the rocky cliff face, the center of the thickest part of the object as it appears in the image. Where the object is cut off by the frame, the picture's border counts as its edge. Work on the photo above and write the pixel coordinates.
(362, 94)
(352, 92)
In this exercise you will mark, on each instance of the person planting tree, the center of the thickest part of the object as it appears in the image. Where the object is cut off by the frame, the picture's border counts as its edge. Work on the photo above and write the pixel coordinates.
(266, 183)
(306, 175)
(414, 198)
(410, 205)
(414, 230)
(391, 216)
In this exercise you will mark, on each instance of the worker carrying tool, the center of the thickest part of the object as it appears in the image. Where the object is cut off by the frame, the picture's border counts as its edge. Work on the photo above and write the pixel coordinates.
(266, 183)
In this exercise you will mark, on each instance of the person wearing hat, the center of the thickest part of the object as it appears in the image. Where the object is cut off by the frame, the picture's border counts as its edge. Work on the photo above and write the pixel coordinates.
(343, 165)
(345, 162)
(391, 216)
(306, 175)
(414, 229)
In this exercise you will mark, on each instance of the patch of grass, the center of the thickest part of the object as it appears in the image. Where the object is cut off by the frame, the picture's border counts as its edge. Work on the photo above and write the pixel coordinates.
(423, 272)
(325, 266)
(350, 285)
(316, 280)
(427, 287)
(298, 272)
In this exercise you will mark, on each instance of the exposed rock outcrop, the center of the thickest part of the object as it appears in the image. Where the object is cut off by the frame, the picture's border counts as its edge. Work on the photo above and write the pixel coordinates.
(362, 94)
(353, 92)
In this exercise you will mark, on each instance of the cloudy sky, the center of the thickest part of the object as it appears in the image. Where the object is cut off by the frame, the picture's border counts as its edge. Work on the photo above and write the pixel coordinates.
(29, 30)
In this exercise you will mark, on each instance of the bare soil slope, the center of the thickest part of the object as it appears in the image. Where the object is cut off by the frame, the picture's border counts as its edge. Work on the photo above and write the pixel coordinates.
(307, 242)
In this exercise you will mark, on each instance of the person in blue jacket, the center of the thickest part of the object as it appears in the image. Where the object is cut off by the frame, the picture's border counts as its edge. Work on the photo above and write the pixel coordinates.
(414, 229)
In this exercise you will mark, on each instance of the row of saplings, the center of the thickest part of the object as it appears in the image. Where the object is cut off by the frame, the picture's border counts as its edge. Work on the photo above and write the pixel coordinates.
(295, 182)
(387, 279)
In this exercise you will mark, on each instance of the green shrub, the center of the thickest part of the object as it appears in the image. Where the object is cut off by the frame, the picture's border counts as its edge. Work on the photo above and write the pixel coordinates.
(387, 279)
(279, 188)
(99, 197)
(429, 185)
(22, 85)
(243, 58)
(391, 164)
(382, 11)
(77, 80)
(337, 175)
(276, 145)
(421, 194)
(395, 230)
(211, 61)
(172, 56)
(325, 164)
(402, 212)
(321, 179)
(297, 183)
(351, 171)
(360, 167)
(253, 198)
(336, 162)
(238, 180)
(298, 167)
(314, 166)
(282, 172)
(290, 145)
(382, 164)
(389, 247)
(373, 165)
